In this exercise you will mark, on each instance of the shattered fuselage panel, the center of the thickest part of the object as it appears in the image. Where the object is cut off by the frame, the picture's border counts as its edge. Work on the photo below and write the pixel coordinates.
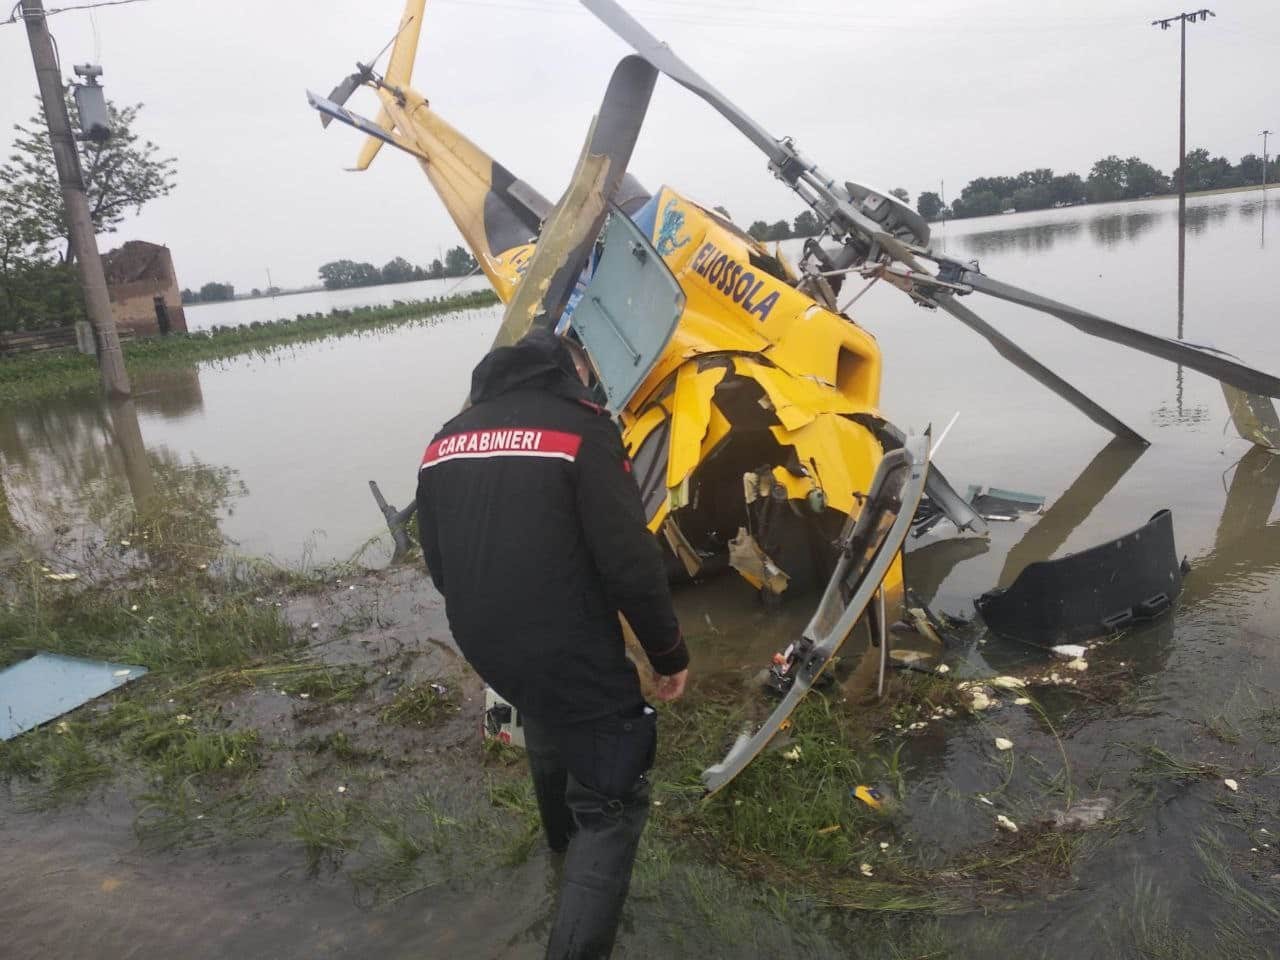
(745, 425)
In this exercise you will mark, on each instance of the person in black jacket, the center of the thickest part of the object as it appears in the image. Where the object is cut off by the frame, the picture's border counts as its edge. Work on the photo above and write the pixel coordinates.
(533, 530)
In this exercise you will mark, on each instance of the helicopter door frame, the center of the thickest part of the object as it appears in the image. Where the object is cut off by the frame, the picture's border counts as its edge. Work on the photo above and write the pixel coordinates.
(628, 311)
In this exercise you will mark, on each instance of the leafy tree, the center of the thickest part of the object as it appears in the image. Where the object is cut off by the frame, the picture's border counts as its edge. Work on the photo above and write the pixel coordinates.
(1032, 197)
(255, 292)
(1068, 188)
(978, 203)
(435, 271)
(1106, 180)
(723, 212)
(398, 270)
(759, 230)
(1142, 179)
(779, 230)
(212, 292)
(190, 296)
(901, 194)
(121, 174)
(806, 225)
(344, 274)
(1249, 169)
(929, 205)
(419, 273)
(458, 262)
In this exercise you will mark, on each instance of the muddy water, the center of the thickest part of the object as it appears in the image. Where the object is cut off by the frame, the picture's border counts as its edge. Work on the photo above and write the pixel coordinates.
(306, 428)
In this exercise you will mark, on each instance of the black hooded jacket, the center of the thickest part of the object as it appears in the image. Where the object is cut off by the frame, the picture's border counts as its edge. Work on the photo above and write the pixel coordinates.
(533, 530)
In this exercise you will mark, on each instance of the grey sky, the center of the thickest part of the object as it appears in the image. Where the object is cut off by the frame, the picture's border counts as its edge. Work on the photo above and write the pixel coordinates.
(898, 94)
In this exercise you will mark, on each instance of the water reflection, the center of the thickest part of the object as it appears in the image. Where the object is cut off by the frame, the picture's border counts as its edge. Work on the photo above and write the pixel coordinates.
(1036, 238)
(1106, 230)
(1112, 229)
(1202, 216)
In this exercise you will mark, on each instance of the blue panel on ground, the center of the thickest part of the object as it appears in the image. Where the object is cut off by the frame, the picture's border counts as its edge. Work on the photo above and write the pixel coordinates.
(48, 685)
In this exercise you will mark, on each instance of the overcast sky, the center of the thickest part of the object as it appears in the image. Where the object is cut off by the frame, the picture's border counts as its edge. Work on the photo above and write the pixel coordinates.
(894, 94)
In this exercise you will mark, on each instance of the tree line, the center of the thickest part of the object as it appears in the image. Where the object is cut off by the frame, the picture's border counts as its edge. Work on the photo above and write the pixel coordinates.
(343, 274)
(1109, 179)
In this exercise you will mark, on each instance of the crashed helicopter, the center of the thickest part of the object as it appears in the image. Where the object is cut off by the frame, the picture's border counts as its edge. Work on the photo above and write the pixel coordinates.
(746, 393)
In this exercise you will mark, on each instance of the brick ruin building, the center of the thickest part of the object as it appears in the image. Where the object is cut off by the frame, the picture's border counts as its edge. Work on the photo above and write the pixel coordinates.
(143, 288)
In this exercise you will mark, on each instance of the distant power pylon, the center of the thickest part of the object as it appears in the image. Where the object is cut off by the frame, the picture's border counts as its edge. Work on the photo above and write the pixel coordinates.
(1264, 135)
(1183, 19)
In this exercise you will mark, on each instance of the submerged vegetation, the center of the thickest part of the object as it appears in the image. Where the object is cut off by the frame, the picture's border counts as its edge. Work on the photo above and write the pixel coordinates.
(354, 755)
(27, 377)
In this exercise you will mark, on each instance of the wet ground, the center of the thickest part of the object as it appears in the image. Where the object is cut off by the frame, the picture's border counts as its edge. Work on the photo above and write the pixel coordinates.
(1162, 718)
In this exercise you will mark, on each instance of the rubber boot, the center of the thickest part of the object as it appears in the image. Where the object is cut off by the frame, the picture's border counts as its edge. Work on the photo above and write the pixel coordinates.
(597, 870)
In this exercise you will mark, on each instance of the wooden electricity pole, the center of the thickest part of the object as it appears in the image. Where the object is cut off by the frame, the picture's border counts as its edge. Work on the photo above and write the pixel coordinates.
(93, 283)
(1264, 135)
(1183, 19)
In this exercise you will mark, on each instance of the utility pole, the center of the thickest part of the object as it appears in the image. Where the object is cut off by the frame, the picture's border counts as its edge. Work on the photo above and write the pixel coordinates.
(1183, 19)
(84, 245)
(1265, 134)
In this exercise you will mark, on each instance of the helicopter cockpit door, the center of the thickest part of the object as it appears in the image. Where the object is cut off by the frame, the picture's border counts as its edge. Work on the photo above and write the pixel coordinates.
(628, 311)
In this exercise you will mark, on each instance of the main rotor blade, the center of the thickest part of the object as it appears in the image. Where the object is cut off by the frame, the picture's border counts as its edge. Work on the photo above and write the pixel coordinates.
(571, 229)
(1209, 362)
(664, 59)
(1035, 369)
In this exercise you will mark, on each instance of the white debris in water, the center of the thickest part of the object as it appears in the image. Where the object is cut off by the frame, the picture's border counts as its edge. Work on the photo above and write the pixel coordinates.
(63, 727)
(943, 668)
(1231, 785)
(1022, 701)
(303, 696)
(866, 870)
(1078, 664)
(918, 726)
(978, 700)
(202, 566)
(61, 577)
(133, 608)
(1007, 683)
(342, 788)
(121, 673)
(1069, 651)
(793, 754)
(986, 801)
(181, 719)
(884, 845)
(315, 626)
(124, 543)
(1003, 744)
(1004, 823)
(657, 803)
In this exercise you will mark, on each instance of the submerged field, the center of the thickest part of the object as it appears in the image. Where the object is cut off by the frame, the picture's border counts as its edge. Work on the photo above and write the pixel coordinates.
(312, 738)
(301, 774)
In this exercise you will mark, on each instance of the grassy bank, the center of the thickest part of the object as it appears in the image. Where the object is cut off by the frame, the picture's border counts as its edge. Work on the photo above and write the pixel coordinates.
(30, 376)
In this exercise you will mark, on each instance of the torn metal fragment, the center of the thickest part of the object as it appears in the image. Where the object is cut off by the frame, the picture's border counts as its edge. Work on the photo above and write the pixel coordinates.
(1097, 591)
(754, 564)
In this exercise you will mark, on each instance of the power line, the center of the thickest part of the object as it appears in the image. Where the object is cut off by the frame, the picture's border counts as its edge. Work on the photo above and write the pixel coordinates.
(15, 14)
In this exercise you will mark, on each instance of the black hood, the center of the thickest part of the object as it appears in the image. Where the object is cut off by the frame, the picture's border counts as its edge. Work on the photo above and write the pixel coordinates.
(540, 361)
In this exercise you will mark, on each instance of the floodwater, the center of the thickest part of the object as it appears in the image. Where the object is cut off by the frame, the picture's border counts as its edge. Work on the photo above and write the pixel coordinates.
(305, 428)
(237, 313)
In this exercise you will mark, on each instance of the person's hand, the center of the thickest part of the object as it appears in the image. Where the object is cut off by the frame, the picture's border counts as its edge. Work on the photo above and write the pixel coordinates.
(672, 687)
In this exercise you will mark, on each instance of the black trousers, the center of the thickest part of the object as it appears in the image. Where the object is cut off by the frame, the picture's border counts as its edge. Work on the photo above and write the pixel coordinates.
(593, 796)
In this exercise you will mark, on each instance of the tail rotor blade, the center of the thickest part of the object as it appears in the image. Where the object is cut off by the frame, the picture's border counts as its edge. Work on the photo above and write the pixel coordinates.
(1035, 369)
(1212, 363)
(341, 94)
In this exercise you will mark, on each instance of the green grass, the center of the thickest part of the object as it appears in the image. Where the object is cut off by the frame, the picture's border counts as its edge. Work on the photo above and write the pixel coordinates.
(421, 704)
(27, 377)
